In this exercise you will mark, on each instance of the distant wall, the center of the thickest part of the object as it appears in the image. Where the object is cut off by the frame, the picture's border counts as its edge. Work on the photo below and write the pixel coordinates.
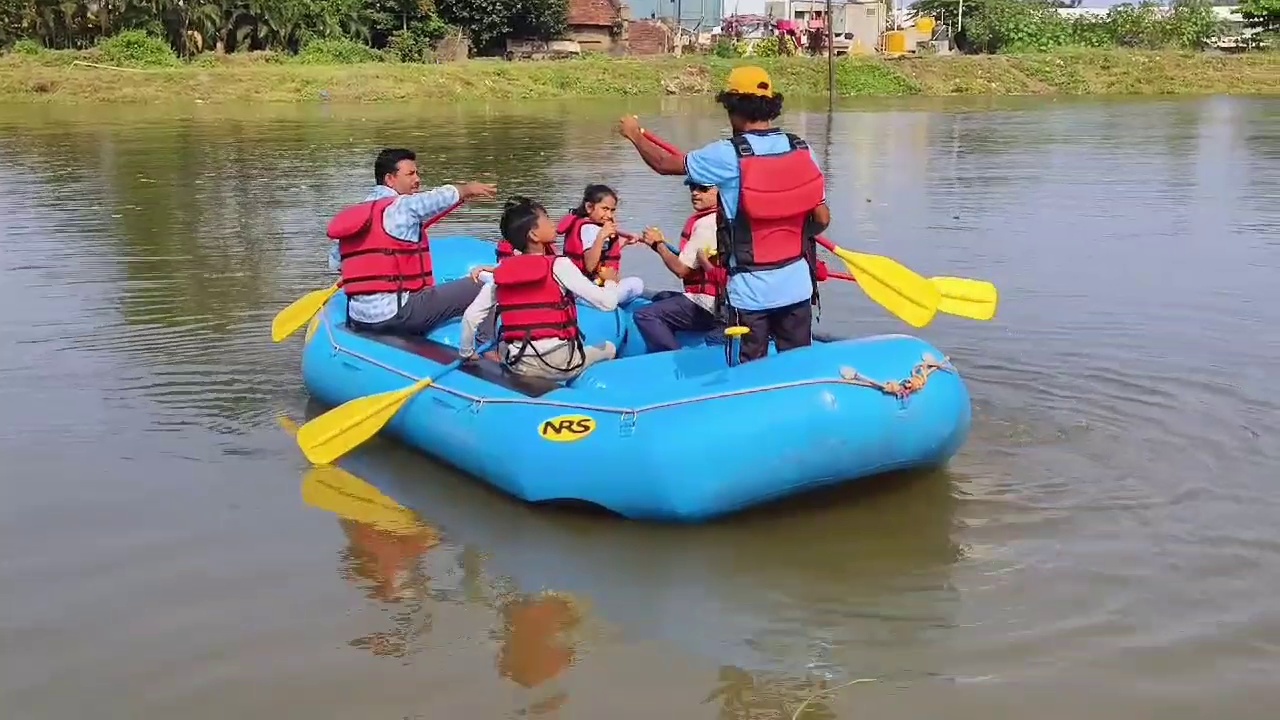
(649, 37)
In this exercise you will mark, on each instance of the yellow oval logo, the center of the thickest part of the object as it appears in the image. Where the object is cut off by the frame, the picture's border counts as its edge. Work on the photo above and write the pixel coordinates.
(566, 428)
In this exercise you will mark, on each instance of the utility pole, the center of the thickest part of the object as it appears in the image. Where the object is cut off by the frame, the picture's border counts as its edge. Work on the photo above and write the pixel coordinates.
(831, 59)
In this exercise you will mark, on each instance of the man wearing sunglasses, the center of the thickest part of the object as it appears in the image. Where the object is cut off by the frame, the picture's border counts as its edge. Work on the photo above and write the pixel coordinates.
(694, 309)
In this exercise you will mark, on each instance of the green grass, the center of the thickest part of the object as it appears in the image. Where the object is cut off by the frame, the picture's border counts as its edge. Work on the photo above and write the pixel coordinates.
(261, 77)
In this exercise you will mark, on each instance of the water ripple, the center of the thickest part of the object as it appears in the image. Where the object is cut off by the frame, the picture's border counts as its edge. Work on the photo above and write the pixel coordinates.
(1109, 525)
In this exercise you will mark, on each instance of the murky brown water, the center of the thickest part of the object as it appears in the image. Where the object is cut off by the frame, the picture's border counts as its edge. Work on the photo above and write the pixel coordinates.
(1106, 544)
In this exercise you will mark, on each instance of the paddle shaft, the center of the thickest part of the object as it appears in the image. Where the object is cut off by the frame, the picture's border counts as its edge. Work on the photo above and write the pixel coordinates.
(672, 149)
(335, 433)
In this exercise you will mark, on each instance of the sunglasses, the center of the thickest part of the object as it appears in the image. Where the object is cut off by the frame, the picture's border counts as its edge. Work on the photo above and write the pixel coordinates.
(700, 188)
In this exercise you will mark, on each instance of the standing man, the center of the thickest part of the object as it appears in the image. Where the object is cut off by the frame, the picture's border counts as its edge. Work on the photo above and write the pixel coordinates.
(384, 256)
(772, 203)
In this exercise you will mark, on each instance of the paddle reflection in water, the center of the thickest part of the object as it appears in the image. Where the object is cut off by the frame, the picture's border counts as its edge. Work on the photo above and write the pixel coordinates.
(386, 544)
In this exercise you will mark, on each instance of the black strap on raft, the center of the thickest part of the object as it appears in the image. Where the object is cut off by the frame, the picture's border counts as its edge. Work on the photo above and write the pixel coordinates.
(577, 356)
(723, 311)
(811, 257)
(728, 341)
(577, 353)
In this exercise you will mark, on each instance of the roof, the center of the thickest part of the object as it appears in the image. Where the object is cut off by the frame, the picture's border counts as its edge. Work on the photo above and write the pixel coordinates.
(593, 12)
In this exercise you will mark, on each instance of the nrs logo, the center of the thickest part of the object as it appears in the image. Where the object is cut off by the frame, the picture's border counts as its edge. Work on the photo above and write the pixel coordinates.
(566, 428)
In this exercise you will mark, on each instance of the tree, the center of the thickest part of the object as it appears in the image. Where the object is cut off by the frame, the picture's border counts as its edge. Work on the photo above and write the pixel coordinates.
(1261, 15)
(490, 22)
(407, 27)
(388, 17)
(999, 26)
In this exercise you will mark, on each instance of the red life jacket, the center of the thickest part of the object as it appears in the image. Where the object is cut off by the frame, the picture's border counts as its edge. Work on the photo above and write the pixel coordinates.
(373, 261)
(778, 193)
(532, 305)
(571, 228)
(697, 282)
(505, 250)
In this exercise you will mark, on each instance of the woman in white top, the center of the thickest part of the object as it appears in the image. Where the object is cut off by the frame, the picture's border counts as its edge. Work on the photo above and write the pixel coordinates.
(592, 240)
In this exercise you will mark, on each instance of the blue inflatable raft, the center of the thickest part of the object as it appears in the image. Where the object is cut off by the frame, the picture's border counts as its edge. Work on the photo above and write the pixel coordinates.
(674, 436)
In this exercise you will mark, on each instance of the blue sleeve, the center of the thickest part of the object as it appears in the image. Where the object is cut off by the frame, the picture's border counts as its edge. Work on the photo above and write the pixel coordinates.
(405, 216)
(715, 163)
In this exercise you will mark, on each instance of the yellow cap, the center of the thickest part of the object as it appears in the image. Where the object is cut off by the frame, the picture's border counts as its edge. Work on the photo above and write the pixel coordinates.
(750, 80)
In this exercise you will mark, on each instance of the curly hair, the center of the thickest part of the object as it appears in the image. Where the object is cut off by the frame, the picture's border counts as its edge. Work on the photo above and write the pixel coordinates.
(751, 108)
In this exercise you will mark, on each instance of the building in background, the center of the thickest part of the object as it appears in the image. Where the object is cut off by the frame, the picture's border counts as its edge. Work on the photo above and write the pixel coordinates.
(856, 24)
(692, 13)
(596, 25)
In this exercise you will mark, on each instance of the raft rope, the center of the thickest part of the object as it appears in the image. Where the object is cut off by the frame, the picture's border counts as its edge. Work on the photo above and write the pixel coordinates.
(908, 386)
(847, 376)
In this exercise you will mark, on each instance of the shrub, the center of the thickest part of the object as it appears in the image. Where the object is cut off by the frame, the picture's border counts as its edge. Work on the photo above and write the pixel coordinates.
(135, 48)
(337, 52)
(767, 47)
(27, 47)
(726, 48)
(418, 43)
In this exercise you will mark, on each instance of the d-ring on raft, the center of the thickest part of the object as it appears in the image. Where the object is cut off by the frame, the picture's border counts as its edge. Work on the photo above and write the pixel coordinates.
(672, 436)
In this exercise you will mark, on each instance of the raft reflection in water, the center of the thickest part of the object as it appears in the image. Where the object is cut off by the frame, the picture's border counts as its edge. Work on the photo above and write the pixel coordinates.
(387, 545)
(788, 601)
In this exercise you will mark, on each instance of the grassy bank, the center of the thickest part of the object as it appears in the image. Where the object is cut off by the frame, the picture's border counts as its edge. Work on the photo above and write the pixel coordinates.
(66, 77)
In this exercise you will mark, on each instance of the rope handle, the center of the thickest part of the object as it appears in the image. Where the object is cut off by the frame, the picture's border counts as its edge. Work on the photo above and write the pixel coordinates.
(905, 388)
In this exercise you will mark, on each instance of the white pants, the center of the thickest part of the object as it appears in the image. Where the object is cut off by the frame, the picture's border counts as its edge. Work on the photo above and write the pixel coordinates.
(629, 288)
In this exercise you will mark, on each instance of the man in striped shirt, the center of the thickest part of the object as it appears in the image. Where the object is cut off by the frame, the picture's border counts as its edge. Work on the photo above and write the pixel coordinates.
(411, 313)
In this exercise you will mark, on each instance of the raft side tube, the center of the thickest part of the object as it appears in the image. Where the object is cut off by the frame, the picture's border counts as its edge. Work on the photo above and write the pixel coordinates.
(669, 436)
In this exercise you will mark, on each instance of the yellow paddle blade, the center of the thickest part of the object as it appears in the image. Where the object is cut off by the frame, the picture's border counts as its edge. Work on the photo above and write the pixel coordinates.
(339, 431)
(963, 297)
(893, 286)
(299, 312)
(335, 490)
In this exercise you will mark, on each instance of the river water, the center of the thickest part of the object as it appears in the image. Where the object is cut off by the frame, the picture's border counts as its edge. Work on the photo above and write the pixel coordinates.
(1105, 544)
